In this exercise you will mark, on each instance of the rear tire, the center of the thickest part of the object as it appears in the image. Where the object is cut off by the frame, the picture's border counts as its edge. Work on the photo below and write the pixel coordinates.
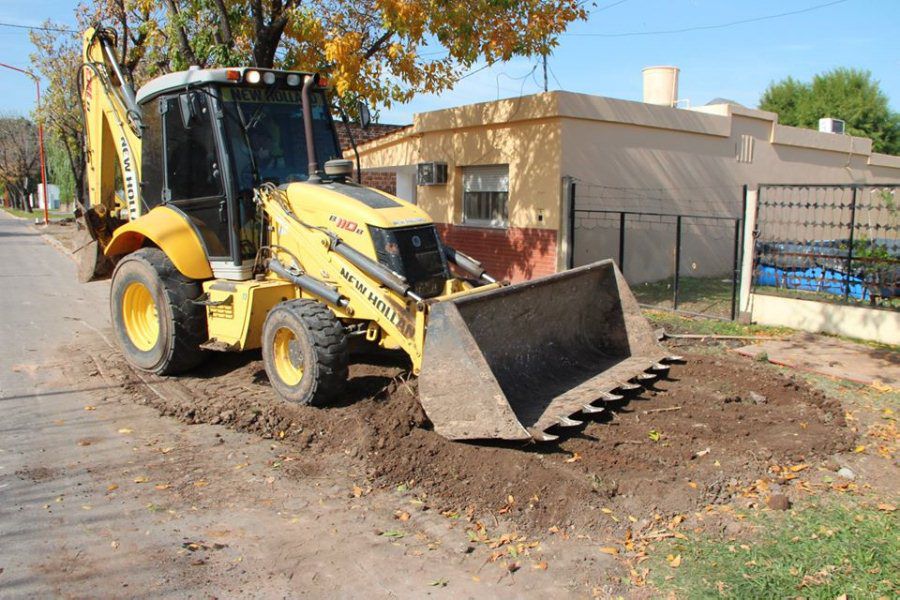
(304, 348)
(157, 325)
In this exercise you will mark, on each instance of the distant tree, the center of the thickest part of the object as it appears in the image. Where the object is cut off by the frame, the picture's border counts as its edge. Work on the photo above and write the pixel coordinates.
(59, 169)
(848, 94)
(19, 164)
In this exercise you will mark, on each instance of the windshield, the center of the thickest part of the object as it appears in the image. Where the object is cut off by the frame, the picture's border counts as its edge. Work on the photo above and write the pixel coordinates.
(265, 131)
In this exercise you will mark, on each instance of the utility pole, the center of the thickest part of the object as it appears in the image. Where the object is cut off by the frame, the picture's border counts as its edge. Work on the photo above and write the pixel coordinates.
(545, 71)
(37, 83)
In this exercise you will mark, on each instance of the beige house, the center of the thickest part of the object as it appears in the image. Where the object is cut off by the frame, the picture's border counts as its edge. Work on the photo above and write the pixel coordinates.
(517, 168)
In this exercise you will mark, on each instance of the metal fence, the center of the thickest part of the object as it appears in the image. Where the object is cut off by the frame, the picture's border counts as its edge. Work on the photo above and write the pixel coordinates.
(688, 263)
(832, 243)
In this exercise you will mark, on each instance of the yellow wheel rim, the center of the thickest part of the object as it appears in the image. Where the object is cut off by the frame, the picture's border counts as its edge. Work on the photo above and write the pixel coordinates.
(288, 356)
(140, 316)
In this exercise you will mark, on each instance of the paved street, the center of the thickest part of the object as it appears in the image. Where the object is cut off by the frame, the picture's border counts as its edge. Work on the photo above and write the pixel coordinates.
(102, 497)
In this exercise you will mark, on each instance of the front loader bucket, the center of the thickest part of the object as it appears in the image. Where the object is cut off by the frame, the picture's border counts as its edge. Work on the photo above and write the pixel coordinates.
(513, 362)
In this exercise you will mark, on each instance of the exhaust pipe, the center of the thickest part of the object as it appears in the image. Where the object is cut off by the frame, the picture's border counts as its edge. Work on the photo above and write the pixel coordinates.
(313, 166)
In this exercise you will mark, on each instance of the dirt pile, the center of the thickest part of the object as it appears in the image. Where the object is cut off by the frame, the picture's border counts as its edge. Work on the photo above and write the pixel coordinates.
(715, 425)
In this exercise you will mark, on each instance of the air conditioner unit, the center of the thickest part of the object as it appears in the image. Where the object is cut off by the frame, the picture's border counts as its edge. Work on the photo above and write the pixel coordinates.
(829, 125)
(431, 173)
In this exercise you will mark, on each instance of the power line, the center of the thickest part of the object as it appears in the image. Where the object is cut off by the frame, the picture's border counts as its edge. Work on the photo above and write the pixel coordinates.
(607, 7)
(37, 28)
(706, 27)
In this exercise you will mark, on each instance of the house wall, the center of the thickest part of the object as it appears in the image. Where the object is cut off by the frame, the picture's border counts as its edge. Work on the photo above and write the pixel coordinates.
(621, 155)
(632, 156)
(508, 132)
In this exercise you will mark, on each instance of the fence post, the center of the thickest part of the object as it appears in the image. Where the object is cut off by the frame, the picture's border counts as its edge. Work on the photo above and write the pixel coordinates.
(748, 240)
(677, 261)
(850, 246)
(622, 242)
(736, 266)
(570, 254)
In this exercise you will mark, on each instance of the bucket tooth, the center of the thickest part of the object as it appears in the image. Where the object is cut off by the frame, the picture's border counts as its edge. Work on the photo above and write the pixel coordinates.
(659, 367)
(591, 410)
(610, 397)
(627, 387)
(567, 422)
(674, 358)
(645, 376)
(543, 436)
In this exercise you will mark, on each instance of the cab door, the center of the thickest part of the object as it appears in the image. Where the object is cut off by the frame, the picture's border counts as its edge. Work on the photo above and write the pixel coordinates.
(193, 179)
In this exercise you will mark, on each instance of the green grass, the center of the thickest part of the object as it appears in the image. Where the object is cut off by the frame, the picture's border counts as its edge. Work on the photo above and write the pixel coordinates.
(37, 214)
(675, 323)
(21, 213)
(708, 295)
(821, 551)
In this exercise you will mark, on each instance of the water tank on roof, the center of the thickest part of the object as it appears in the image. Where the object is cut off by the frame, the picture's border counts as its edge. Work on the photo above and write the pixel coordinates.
(661, 85)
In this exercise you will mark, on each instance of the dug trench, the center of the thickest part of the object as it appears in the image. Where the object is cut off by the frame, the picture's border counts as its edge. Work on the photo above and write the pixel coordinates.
(696, 438)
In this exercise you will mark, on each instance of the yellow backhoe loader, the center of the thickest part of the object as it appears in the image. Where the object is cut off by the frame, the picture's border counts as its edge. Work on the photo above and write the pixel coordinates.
(222, 209)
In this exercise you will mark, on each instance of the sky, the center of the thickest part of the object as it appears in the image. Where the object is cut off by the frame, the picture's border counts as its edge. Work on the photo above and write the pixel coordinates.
(736, 62)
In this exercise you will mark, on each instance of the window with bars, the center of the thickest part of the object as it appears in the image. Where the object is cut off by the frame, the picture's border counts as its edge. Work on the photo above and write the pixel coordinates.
(486, 195)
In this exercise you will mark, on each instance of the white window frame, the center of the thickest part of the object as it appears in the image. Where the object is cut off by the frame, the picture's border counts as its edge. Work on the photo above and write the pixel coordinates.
(489, 181)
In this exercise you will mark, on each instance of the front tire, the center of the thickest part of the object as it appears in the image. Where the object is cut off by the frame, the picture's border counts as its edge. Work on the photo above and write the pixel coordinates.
(157, 325)
(304, 348)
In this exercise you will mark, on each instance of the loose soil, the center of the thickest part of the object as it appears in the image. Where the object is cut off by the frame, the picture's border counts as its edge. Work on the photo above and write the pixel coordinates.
(689, 441)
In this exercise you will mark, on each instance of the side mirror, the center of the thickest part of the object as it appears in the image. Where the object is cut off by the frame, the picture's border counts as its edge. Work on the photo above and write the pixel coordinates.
(189, 103)
(365, 117)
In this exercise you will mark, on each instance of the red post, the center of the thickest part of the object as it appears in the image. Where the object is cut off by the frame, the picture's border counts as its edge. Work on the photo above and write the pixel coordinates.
(37, 83)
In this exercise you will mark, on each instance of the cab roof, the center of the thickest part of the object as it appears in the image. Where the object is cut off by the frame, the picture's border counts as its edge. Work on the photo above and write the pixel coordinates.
(195, 77)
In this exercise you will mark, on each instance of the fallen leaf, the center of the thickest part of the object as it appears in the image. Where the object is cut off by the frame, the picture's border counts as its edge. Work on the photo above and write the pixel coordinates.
(89, 407)
(162, 486)
(513, 567)
(141, 479)
(674, 561)
(798, 468)
(654, 435)
(86, 506)
(609, 550)
(574, 458)
(114, 544)
(860, 449)
(606, 511)
(541, 566)
(692, 485)
(166, 450)
(439, 583)
(126, 430)
(401, 515)
(886, 507)
(357, 491)
(201, 483)
(112, 487)
(394, 534)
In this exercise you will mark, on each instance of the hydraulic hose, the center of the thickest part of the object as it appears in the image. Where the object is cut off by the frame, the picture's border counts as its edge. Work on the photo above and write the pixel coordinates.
(467, 264)
(310, 284)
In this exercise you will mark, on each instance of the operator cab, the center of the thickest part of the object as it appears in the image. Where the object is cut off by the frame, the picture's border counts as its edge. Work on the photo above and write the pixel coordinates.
(211, 136)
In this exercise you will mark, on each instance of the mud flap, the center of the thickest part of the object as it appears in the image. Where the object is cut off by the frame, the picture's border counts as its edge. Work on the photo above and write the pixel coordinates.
(513, 362)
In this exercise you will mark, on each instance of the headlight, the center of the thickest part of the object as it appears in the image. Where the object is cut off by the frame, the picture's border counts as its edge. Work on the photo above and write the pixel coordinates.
(293, 79)
(268, 78)
(252, 76)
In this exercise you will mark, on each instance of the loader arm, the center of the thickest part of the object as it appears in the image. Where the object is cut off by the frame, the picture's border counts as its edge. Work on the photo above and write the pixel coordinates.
(112, 128)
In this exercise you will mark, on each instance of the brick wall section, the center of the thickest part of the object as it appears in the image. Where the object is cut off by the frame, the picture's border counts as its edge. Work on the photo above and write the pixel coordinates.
(386, 181)
(516, 254)
(375, 130)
